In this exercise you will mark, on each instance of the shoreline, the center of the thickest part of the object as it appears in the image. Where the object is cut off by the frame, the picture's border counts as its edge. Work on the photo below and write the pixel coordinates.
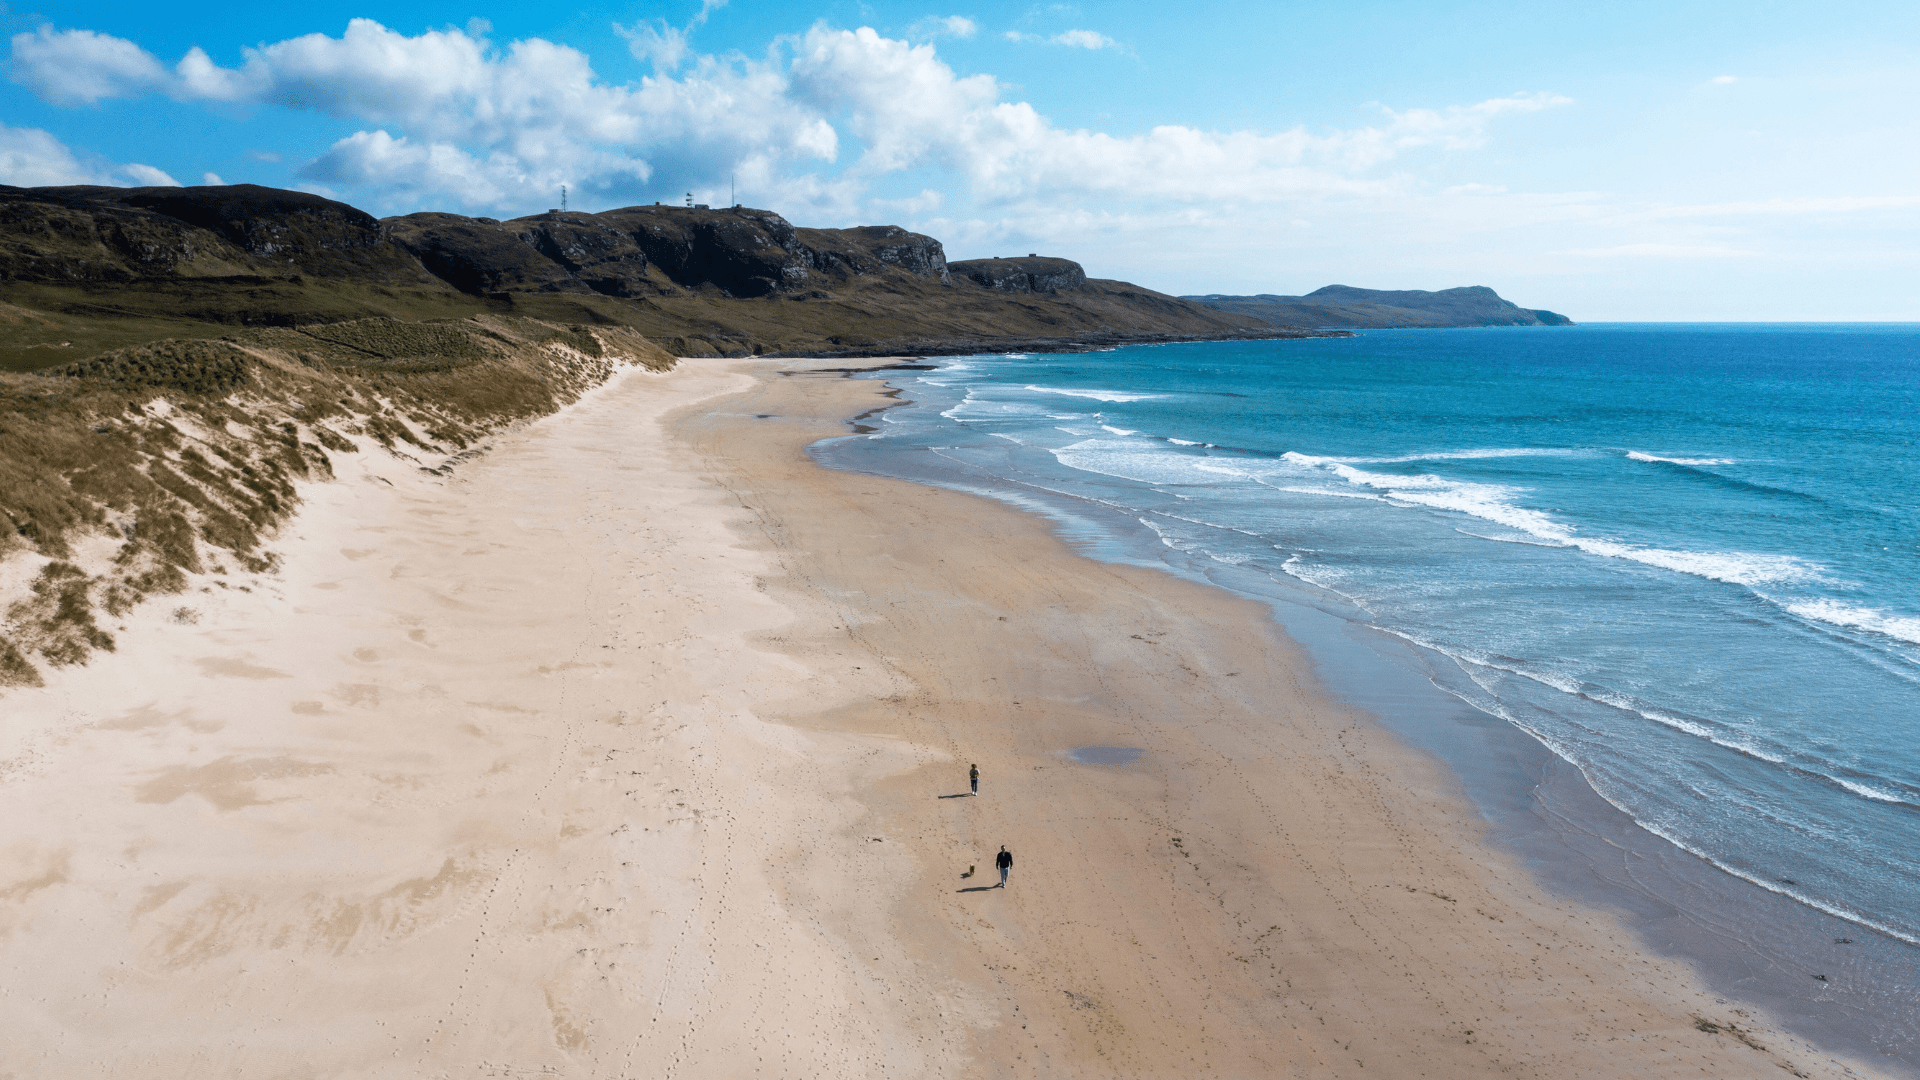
(983, 507)
(622, 751)
(1752, 943)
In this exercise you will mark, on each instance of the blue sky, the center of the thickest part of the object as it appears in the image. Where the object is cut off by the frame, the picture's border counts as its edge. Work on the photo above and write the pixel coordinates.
(1622, 161)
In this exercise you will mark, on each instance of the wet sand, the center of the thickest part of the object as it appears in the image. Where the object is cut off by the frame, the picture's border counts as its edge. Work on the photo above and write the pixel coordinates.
(638, 748)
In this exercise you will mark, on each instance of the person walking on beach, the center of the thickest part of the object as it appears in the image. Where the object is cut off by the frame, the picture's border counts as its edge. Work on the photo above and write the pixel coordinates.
(973, 774)
(1004, 861)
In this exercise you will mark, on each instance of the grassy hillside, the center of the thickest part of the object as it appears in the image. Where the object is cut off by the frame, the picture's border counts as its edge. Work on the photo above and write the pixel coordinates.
(89, 270)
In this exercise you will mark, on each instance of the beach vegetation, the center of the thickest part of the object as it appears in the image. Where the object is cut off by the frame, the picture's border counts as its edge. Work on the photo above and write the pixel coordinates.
(128, 473)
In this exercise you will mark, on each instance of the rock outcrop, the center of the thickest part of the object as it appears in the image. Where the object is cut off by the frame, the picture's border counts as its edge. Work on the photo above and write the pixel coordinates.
(1033, 274)
(642, 251)
(125, 234)
(1346, 307)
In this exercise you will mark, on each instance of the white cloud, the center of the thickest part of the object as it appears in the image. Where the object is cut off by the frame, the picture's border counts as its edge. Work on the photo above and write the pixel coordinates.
(661, 43)
(30, 157)
(79, 67)
(450, 116)
(915, 205)
(1073, 39)
(1084, 39)
(909, 108)
(953, 26)
(212, 179)
(148, 176)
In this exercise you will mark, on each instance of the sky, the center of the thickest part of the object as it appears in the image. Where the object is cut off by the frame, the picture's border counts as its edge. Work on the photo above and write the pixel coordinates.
(1632, 160)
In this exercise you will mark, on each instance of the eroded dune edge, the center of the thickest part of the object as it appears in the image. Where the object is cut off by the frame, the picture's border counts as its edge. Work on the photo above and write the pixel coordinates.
(623, 748)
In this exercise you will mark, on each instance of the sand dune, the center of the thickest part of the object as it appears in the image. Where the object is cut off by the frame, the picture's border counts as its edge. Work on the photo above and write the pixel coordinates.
(621, 753)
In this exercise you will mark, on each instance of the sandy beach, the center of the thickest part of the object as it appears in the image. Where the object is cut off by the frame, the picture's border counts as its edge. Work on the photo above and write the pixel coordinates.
(637, 746)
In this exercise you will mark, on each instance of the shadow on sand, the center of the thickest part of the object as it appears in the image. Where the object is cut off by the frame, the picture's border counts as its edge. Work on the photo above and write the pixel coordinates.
(962, 795)
(978, 888)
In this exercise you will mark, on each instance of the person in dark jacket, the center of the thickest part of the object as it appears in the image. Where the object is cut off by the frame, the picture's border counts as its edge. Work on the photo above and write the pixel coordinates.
(973, 774)
(1004, 861)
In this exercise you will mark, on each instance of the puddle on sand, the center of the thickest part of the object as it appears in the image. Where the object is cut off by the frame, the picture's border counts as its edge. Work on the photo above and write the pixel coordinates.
(1105, 755)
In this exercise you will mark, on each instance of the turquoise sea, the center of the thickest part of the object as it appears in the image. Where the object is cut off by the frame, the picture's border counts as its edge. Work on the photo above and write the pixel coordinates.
(1683, 558)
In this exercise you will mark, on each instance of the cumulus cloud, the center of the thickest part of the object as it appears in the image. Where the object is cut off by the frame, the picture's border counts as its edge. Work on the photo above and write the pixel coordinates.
(451, 115)
(909, 108)
(30, 157)
(79, 67)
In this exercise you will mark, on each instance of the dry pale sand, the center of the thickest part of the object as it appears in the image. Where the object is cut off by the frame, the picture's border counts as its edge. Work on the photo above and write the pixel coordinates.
(622, 753)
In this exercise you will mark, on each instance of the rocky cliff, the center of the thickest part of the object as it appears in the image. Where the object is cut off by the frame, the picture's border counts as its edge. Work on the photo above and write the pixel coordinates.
(1346, 307)
(645, 251)
(88, 269)
(1033, 274)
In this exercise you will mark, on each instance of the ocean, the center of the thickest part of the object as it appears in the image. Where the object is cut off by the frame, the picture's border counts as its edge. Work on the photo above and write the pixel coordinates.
(1683, 558)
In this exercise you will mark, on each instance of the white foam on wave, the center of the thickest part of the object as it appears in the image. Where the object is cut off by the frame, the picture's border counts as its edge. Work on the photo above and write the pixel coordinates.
(1576, 688)
(1495, 503)
(954, 412)
(1185, 442)
(1873, 793)
(1772, 886)
(1638, 456)
(1833, 612)
(1689, 727)
(974, 408)
(1463, 455)
(1493, 707)
(1096, 395)
(1326, 577)
(1334, 493)
(1122, 432)
(1143, 461)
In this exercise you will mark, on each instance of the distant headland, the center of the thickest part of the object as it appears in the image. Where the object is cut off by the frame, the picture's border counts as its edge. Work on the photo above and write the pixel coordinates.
(1347, 308)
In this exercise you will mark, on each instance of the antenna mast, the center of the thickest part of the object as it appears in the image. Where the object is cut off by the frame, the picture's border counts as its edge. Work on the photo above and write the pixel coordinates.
(563, 198)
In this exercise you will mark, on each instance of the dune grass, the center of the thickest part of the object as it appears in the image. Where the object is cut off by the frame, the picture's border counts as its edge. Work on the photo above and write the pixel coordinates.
(124, 474)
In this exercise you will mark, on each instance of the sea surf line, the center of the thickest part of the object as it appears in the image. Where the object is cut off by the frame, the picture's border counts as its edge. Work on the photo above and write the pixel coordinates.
(1681, 557)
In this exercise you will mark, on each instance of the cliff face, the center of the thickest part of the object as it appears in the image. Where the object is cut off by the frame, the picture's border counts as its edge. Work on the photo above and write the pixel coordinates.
(1033, 274)
(644, 251)
(1378, 309)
